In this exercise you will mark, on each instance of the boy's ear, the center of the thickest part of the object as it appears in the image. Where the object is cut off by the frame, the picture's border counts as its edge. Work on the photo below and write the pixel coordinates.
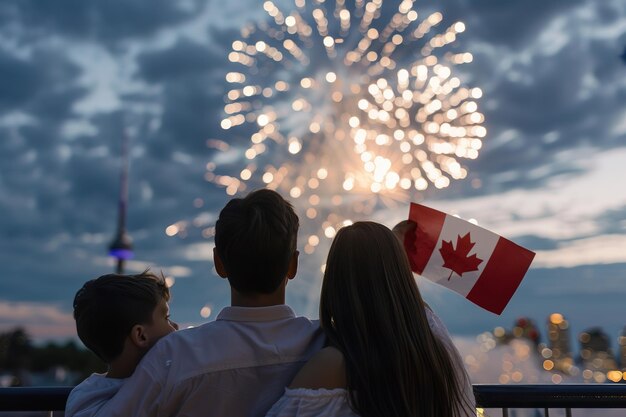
(293, 265)
(139, 337)
(219, 266)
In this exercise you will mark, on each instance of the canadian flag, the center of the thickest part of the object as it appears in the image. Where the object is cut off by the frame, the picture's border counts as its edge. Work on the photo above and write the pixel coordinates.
(480, 265)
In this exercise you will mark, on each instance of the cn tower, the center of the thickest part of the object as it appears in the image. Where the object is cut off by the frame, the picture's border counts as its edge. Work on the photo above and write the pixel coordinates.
(122, 246)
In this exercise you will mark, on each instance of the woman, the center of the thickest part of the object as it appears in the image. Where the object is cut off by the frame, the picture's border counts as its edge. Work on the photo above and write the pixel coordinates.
(388, 354)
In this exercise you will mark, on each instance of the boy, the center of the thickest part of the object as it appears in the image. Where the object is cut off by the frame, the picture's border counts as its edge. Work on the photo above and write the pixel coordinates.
(119, 318)
(239, 364)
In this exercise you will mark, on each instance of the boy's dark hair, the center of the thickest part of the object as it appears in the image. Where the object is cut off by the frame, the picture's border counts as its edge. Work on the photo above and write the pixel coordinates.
(255, 238)
(107, 308)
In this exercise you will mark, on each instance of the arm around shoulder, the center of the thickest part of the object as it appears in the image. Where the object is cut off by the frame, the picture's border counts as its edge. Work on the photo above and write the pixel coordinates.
(142, 393)
(89, 396)
(317, 390)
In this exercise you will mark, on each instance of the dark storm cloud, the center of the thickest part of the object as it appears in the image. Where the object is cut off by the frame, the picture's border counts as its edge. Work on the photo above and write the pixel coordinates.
(174, 188)
(67, 183)
(66, 196)
(186, 58)
(19, 81)
(509, 23)
(35, 272)
(191, 78)
(526, 104)
(32, 182)
(548, 99)
(222, 38)
(98, 20)
(38, 85)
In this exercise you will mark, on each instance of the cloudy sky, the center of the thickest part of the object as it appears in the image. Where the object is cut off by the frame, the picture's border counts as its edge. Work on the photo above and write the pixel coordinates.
(76, 74)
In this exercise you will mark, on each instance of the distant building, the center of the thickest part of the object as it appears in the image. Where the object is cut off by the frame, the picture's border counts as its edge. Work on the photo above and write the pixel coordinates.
(622, 349)
(523, 327)
(526, 328)
(597, 357)
(558, 355)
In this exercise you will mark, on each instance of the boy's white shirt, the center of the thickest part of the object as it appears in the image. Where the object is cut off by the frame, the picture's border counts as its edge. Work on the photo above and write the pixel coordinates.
(91, 394)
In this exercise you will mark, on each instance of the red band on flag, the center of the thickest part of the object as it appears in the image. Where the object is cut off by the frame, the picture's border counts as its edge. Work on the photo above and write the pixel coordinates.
(420, 245)
(501, 277)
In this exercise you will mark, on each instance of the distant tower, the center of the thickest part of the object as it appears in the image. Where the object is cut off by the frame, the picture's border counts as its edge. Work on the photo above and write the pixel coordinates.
(122, 246)
(559, 343)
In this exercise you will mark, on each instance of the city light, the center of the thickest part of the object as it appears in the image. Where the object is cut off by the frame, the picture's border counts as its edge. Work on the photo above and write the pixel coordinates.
(595, 363)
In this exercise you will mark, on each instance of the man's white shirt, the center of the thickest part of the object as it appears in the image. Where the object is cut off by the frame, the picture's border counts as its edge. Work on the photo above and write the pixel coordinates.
(237, 365)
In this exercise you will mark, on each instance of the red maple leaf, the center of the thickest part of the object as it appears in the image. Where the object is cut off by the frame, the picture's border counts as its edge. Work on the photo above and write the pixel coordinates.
(457, 259)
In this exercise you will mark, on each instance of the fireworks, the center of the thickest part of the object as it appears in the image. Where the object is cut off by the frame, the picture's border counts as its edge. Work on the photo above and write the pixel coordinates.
(348, 107)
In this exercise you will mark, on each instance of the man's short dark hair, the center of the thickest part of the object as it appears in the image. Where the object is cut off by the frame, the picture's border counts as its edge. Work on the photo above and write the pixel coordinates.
(255, 238)
(107, 308)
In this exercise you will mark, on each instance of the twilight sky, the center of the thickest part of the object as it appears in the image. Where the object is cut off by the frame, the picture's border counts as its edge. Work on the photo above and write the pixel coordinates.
(76, 73)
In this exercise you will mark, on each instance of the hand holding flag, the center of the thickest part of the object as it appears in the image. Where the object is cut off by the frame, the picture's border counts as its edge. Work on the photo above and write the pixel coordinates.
(480, 265)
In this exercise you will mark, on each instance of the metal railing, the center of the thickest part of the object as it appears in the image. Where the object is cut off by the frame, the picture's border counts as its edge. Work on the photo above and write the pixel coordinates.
(546, 397)
(504, 397)
(48, 399)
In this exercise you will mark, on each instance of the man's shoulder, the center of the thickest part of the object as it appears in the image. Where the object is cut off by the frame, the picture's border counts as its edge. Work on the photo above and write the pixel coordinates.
(194, 334)
(214, 344)
(191, 336)
(235, 328)
(209, 333)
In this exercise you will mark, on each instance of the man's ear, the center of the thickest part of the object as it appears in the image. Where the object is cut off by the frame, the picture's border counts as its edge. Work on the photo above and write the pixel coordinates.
(293, 265)
(219, 266)
(139, 337)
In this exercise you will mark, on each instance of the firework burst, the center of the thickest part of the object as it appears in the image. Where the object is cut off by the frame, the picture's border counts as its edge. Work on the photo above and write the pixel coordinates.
(347, 108)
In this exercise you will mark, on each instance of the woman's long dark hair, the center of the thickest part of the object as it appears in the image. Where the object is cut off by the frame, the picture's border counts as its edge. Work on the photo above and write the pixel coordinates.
(372, 311)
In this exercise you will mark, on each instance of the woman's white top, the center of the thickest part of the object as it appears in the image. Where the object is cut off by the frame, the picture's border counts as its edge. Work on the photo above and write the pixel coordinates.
(305, 402)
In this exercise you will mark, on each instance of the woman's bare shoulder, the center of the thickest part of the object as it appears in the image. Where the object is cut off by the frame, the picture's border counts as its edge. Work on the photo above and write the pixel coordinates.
(326, 369)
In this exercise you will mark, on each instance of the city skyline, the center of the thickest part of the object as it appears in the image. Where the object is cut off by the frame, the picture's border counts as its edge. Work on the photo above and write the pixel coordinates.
(526, 353)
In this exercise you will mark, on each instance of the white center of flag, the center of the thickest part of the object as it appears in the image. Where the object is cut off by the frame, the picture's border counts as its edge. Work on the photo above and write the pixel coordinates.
(454, 231)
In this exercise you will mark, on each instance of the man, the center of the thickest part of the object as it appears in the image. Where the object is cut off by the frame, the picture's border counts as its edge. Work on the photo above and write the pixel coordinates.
(239, 364)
